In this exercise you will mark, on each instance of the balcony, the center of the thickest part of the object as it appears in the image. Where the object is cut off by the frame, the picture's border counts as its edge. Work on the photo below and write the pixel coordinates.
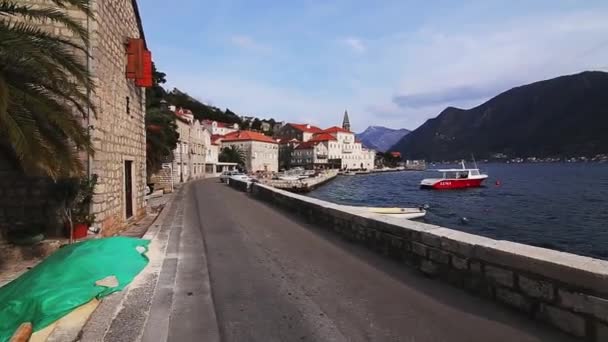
(347, 151)
(321, 155)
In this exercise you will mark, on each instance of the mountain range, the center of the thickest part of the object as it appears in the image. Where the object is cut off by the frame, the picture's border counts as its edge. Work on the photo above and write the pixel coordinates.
(560, 117)
(381, 138)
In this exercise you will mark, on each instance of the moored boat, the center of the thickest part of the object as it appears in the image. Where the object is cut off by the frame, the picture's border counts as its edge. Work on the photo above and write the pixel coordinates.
(455, 179)
(405, 213)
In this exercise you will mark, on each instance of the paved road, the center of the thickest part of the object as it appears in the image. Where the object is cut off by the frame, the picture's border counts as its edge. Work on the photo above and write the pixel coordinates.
(275, 278)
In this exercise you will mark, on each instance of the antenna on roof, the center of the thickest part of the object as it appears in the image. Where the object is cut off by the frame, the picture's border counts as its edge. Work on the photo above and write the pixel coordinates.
(474, 162)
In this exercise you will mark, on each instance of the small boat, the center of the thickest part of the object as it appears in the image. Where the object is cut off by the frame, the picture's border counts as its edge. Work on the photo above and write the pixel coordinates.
(289, 178)
(455, 179)
(406, 213)
(349, 173)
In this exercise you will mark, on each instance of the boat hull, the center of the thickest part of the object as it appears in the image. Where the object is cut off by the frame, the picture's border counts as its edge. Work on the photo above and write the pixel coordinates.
(454, 184)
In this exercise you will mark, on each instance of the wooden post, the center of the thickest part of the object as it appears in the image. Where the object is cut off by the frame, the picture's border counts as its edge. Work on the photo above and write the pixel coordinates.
(23, 333)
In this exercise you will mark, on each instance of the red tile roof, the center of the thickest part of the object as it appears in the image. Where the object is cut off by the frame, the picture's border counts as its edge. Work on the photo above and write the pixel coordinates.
(396, 154)
(307, 145)
(248, 136)
(336, 129)
(322, 137)
(305, 128)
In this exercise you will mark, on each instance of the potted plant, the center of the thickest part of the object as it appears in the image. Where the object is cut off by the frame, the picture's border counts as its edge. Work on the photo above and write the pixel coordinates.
(75, 196)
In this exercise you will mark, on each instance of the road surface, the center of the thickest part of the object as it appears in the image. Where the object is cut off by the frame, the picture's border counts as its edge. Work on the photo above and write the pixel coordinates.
(276, 278)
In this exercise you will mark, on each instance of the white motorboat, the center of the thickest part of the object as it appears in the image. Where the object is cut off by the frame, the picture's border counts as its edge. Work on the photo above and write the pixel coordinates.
(406, 213)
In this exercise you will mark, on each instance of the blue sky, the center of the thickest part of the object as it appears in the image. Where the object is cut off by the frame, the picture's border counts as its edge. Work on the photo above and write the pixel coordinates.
(391, 63)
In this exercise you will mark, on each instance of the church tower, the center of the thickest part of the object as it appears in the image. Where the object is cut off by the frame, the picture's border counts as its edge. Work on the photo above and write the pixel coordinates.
(346, 121)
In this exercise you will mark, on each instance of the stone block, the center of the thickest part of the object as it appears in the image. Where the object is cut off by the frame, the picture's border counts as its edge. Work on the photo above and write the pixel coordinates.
(595, 306)
(430, 239)
(460, 243)
(439, 256)
(601, 332)
(428, 267)
(513, 299)
(419, 249)
(499, 275)
(562, 319)
(536, 288)
(576, 270)
(460, 263)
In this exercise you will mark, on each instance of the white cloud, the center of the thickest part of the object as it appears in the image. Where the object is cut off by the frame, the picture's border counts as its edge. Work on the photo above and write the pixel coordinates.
(355, 44)
(436, 67)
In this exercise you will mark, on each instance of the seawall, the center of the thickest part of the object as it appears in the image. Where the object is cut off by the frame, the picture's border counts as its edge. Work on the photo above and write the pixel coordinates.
(567, 291)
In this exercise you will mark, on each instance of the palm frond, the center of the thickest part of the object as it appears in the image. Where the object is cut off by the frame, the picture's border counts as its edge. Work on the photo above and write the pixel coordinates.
(82, 5)
(43, 14)
(44, 82)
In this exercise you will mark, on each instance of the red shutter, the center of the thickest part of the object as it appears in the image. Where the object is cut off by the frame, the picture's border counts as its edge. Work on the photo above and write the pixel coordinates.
(135, 50)
(146, 80)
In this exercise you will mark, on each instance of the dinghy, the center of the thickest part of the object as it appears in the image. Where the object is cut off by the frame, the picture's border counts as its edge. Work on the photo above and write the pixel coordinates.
(406, 213)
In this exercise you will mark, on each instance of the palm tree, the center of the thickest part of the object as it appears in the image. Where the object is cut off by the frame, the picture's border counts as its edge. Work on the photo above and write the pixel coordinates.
(44, 88)
(232, 154)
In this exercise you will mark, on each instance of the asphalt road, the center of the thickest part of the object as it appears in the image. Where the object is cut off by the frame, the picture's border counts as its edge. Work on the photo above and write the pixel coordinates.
(276, 278)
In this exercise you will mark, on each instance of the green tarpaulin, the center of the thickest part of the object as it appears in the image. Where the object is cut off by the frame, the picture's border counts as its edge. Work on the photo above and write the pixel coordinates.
(66, 280)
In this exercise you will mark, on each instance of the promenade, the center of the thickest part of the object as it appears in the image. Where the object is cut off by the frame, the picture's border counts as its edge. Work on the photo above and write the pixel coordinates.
(236, 269)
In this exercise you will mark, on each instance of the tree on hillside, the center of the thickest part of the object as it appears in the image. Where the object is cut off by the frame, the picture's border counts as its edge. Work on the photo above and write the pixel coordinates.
(156, 93)
(200, 110)
(256, 125)
(161, 138)
(232, 154)
(44, 83)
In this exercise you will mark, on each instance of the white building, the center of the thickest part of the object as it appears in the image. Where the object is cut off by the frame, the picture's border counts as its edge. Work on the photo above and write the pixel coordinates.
(261, 152)
(335, 147)
(219, 128)
(181, 157)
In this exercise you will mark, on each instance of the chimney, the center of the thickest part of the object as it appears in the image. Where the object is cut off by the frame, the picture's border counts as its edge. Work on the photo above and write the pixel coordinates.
(307, 126)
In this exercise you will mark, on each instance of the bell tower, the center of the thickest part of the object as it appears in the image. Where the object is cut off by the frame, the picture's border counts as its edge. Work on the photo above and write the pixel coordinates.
(346, 122)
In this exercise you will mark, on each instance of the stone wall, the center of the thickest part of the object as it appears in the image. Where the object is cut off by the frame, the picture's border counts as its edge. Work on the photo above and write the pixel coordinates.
(119, 132)
(567, 291)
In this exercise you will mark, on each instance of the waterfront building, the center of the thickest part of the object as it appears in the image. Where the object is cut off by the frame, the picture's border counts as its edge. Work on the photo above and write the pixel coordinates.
(300, 132)
(334, 147)
(260, 151)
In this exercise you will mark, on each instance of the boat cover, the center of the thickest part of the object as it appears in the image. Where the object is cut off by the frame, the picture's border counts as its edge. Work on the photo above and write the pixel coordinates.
(66, 280)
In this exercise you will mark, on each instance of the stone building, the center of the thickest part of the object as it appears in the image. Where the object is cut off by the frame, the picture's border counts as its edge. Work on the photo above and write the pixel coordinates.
(310, 154)
(261, 152)
(334, 147)
(219, 128)
(300, 132)
(189, 156)
(117, 130)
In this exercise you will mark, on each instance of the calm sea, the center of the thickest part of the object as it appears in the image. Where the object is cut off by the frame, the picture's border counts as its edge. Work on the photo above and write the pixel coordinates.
(558, 206)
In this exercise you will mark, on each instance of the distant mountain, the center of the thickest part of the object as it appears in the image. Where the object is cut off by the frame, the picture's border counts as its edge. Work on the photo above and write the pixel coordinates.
(564, 116)
(381, 138)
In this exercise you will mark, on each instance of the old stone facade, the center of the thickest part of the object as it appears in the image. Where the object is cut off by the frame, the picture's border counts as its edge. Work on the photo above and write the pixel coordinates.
(118, 133)
(117, 130)
(195, 155)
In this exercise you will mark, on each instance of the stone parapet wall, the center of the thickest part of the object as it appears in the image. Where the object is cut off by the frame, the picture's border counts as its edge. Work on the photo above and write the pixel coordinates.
(567, 291)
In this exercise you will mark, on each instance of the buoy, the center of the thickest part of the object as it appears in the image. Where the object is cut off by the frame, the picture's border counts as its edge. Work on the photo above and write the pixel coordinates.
(464, 220)
(497, 183)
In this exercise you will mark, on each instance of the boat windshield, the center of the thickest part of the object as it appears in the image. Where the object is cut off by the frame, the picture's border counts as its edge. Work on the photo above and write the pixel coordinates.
(474, 172)
(456, 174)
